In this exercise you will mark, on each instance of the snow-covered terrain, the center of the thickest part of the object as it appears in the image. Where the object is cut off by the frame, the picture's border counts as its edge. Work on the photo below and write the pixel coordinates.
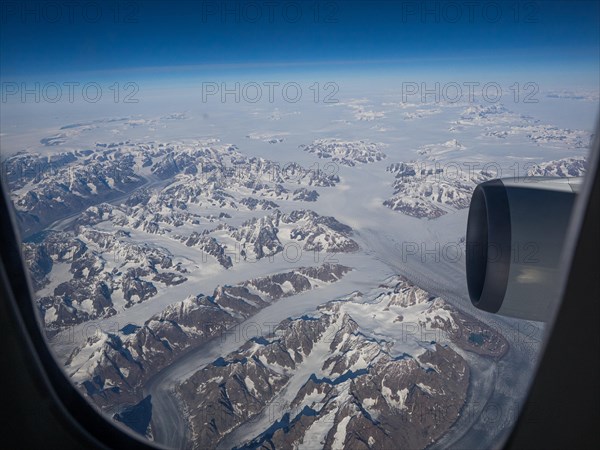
(112, 367)
(430, 192)
(346, 152)
(285, 275)
(357, 369)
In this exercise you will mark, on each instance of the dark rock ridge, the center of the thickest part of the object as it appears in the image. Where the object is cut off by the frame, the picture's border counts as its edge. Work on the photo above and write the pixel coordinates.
(347, 153)
(323, 380)
(112, 368)
(425, 192)
(137, 417)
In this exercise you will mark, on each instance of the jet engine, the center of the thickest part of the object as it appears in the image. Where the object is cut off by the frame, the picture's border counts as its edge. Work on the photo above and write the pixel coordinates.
(515, 234)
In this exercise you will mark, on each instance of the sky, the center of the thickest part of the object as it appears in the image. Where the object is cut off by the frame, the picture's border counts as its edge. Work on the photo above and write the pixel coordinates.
(157, 40)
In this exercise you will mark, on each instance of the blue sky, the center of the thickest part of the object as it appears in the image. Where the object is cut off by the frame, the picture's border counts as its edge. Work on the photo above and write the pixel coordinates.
(159, 39)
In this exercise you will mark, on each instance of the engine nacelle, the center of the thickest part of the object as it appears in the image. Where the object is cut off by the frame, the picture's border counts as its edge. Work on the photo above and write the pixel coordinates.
(515, 234)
